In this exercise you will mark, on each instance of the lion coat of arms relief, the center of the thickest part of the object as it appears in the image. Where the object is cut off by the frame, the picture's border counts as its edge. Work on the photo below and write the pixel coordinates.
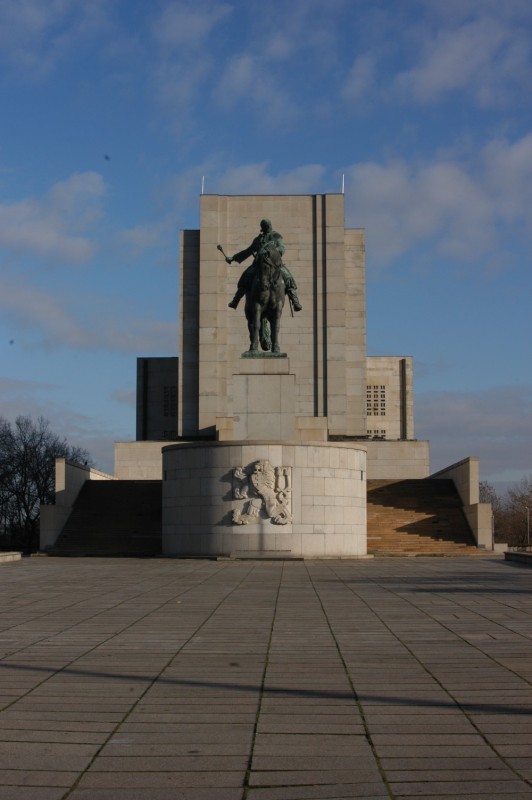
(266, 492)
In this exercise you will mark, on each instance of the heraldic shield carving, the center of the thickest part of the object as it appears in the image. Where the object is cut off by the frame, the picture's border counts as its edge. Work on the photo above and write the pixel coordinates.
(266, 492)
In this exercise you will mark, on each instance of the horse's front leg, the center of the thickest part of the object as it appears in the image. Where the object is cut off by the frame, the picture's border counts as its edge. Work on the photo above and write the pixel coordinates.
(255, 329)
(275, 325)
(275, 334)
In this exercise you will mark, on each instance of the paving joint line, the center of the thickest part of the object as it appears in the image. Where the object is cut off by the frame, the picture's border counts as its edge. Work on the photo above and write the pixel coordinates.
(459, 705)
(367, 731)
(69, 627)
(75, 785)
(246, 786)
(66, 667)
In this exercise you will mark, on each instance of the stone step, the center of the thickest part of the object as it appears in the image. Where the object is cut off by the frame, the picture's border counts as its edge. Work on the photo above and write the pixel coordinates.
(417, 517)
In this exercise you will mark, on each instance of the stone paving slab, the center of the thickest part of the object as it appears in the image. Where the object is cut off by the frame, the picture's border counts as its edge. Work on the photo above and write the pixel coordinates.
(392, 679)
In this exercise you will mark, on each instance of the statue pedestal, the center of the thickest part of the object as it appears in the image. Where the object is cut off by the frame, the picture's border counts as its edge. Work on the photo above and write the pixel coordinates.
(264, 400)
(264, 500)
(260, 491)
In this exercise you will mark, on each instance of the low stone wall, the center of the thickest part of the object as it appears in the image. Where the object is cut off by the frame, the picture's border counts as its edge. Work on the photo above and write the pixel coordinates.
(12, 555)
(69, 478)
(216, 500)
(465, 476)
(397, 460)
(138, 461)
(519, 557)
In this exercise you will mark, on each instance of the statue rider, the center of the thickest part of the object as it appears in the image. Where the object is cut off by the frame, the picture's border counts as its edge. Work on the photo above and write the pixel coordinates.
(263, 241)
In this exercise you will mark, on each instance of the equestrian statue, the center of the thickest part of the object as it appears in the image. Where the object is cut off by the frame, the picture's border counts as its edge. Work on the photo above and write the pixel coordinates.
(265, 283)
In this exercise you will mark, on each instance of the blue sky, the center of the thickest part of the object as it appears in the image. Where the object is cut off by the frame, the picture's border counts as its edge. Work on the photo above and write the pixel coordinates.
(113, 110)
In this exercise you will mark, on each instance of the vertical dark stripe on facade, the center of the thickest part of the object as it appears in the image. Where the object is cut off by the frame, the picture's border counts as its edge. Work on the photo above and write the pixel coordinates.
(324, 298)
(144, 412)
(315, 341)
(402, 400)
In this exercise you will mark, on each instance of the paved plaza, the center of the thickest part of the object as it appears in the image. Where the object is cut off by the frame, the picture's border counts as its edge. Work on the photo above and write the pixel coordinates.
(163, 679)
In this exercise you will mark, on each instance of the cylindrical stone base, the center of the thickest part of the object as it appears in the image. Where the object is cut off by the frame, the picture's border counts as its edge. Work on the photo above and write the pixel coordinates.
(264, 499)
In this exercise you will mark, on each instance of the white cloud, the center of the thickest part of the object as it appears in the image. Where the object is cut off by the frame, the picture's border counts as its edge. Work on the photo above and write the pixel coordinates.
(260, 179)
(183, 25)
(184, 59)
(361, 78)
(247, 82)
(146, 236)
(494, 424)
(48, 226)
(36, 36)
(126, 397)
(44, 322)
(427, 50)
(485, 56)
(459, 207)
(238, 80)
(178, 83)
(15, 385)
(509, 177)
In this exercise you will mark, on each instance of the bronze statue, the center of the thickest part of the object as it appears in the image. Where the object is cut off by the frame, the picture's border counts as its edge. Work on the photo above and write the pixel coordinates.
(265, 283)
(266, 238)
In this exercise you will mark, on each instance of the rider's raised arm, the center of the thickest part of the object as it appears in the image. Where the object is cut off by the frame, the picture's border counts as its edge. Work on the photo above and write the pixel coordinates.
(249, 251)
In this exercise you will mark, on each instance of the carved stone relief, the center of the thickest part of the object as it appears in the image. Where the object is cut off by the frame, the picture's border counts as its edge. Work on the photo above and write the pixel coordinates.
(266, 492)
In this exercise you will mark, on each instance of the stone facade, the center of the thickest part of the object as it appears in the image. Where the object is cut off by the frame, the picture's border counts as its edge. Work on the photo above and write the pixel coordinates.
(329, 382)
(326, 342)
(272, 454)
(389, 397)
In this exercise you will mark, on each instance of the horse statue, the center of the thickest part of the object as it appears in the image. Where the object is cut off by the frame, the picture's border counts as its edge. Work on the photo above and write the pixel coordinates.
(264, 283)
(265, 301)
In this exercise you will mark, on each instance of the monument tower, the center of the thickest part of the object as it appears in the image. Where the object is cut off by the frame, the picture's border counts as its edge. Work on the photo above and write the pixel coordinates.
(278, 442)
(270, 453)
(325, 342)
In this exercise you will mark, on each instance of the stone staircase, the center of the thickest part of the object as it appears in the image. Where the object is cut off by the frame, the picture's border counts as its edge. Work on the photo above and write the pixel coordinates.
(407, 517)
(113, 518)
(417, 517)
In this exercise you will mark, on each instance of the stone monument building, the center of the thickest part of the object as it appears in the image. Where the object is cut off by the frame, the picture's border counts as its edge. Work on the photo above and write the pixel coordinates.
(273, 455)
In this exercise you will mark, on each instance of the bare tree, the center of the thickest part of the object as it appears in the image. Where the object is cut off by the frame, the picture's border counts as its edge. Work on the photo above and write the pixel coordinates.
(489, 495)
(510, 511)
(519, 506)
(28, 450)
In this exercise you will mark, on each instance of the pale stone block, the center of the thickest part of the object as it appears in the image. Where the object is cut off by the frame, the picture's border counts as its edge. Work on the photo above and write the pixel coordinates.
(318, 457)
(311, 423)
(334, 515)
(311, 514)
(208, 408)
(235, 455)
(287, 430)
(283, 541)
(254, 452)
(342, 501)
(309, 435)
(301, 529)
(224, 428)
(313, 544)
(311, 485)
(208, 335)
(275, 455)
(264, 366)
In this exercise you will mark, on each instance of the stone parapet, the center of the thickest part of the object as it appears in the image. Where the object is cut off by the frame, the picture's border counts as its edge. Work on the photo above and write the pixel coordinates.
(264, 499)
(465, 474)
(398, 460)
(69, 479)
